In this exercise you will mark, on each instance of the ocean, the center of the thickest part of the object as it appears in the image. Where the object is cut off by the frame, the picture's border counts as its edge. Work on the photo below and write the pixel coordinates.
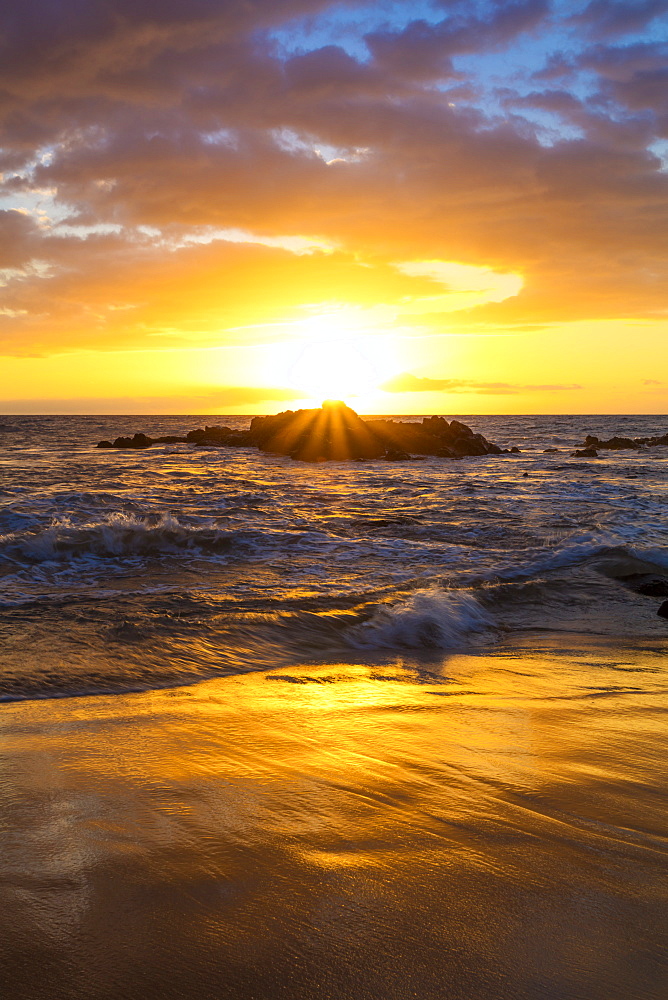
(127, 570)
(459, 787)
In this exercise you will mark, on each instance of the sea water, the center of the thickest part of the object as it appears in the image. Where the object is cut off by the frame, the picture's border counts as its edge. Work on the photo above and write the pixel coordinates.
(125, 570)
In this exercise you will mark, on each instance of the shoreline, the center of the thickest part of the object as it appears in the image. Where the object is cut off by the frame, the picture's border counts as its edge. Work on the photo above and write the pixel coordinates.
(348, 831)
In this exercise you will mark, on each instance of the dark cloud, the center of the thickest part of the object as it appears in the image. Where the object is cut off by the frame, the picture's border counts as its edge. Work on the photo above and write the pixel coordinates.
(621, 62)
(413, 383)
(18, 238)
(330, 71)
(633, 80)
(619, 17)
(557, 67)
(422, 49)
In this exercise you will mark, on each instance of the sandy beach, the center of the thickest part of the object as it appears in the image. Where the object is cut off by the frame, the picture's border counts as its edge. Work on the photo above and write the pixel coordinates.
(481, 827)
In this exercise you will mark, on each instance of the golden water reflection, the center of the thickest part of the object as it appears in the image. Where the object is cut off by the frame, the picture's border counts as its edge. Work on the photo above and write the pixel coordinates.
(490, 827)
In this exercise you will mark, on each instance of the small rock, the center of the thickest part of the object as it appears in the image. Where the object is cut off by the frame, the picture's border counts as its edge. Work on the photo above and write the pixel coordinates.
(515, 451)
(551, 451)
(654, 588)
(104, 444)
(137, 441)
(585, 453)
(618, 443)
(612, 444)
(663, 610)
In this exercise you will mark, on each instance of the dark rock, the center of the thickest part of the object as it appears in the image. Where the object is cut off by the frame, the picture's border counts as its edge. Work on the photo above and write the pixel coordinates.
(434, 436)
(458, 429)
(585, 453)
(654, 588)
(515, 451)
(618, 443)
(550, 451)
(612, 444)
(332, 433)
(104, 444)
(525, 475)
(663, 610)
(335, 432)
(239, 439)
(438, 426)
(170, 439)
(223, 437)
(215, 435)
(408, 436)
(475, 444)
(137, 441)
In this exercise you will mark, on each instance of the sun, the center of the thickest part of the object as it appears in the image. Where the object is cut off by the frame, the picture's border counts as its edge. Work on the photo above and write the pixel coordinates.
(332, 358)
(334, 368)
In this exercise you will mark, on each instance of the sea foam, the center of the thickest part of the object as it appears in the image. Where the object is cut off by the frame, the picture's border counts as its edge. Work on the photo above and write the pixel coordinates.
(428, 619)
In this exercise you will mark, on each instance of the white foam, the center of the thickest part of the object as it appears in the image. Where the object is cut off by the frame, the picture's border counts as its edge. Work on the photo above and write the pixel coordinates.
(117, 535)
(429, 619)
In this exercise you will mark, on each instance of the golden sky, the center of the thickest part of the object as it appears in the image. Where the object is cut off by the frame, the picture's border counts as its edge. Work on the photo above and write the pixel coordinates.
(235, 207)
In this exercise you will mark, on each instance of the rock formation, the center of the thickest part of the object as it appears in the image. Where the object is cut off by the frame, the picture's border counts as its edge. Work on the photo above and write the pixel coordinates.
(140, 441)
(618, 443)
(334, 432)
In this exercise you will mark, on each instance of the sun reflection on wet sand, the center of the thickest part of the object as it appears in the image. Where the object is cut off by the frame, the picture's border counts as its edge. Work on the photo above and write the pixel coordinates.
(486, 827)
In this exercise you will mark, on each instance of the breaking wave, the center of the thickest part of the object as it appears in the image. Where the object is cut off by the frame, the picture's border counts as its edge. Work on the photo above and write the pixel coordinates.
(118, 535)
(428, 619)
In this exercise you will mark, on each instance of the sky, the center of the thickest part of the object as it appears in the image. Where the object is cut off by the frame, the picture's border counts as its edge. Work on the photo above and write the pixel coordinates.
(239, 206)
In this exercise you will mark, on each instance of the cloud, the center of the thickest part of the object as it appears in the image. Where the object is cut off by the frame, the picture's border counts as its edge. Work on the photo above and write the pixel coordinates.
(126, 289)
(19, 239)
(150, 126)
(467, 285)
(210, 401)
(239, 395)
(618, 17)
(413, 383)
(423, 49)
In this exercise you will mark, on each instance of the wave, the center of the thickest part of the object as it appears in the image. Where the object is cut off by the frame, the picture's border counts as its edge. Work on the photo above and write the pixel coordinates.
(59, 553)
(126, 535)
(428, 619)
(119, 535)
(148, 640)
(145, 651)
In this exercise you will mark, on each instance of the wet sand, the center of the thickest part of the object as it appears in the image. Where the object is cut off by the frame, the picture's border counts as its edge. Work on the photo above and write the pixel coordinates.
(486, 827)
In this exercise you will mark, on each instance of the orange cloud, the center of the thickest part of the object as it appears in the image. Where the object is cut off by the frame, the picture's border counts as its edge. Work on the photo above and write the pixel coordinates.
(137, 135)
